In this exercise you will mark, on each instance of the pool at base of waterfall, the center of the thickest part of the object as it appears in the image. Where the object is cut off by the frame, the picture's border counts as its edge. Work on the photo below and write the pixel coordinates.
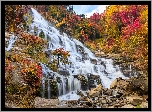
(69, 96)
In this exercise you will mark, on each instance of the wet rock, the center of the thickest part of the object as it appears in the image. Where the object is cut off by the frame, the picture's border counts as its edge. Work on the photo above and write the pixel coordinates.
(48, 53)
(75, 76)
(104, 56)
(64, 72)
(93, 61)
(81, 93)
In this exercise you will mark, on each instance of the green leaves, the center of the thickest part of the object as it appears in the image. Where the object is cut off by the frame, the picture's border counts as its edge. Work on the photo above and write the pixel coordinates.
(41, 34)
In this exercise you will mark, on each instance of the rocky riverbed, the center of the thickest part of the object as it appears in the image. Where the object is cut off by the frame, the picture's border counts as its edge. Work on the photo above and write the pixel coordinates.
(123, 93)
(120, 95)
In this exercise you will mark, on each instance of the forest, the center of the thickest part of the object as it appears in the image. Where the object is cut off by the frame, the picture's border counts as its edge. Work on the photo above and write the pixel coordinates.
(120, 29)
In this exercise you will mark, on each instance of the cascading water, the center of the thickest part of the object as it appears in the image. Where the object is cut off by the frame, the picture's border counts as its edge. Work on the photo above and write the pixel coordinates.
(80, 57)
(11, 41)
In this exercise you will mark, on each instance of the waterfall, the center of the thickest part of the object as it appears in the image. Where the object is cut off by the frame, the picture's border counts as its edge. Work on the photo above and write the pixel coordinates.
(64, 85)
(77, 84)
(59, 89)
(80, 57)
(43, 87)
(11, 42)
(49, 94)
(70, 83)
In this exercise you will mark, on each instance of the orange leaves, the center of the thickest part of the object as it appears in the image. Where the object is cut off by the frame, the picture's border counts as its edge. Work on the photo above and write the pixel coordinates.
(13, 17)
(8, 66)
(61, 52)
(31, 72)
(31, 39)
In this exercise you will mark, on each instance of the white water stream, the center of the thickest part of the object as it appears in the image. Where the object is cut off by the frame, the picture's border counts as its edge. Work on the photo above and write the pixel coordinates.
(79, 65)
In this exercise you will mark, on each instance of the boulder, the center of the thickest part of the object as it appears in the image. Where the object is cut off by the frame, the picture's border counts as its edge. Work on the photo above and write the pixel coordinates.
(94, 93)
(144, 105)
(134, 100)
(108, 92)
(138, 85)
(114, 84)
(93, 61)
(98, 88)
(64, 72)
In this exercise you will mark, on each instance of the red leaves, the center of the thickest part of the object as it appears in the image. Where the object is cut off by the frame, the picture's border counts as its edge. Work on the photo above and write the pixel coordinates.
(32, 39)
(110, 41)
(39, 70)
(31, 72)
(95, 17)
(60, 52)
(130, 28)
(17, 19)
(9, 68)
(14, 16)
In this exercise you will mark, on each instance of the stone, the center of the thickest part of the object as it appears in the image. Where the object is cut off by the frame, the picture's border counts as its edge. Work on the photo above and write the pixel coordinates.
(98, 88)
(114, 93)
(128, 106)
(134, 100)
(108, 92)
(110, 106)
(42, 102)
(62, 106)
(104, 105)
(64, 72)
(117, 105)
(144, 105)
(145, 97)
(93, 61)
(141, 83)
(114, 84)
(94, 93)
(103, 101)
(120, 85)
